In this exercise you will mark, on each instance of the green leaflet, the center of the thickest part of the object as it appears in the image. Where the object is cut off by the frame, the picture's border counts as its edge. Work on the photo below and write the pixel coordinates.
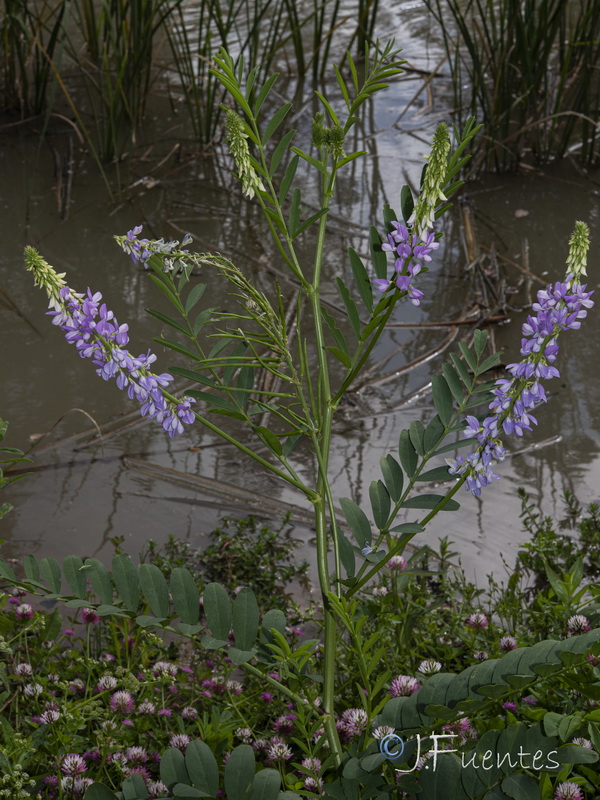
(155, 588)
(245, 619)
(185, 594)
(239, 772)
(217, 608)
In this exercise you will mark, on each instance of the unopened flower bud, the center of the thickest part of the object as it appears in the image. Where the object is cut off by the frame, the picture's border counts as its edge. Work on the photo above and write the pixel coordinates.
(433, 181)
(579, 244)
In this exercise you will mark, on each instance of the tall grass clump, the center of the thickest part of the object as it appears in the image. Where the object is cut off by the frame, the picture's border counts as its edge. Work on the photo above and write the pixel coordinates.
(253, 30)
(117, 62)
(31, 40)
(104, 59)
(530, 70)
(259, 32)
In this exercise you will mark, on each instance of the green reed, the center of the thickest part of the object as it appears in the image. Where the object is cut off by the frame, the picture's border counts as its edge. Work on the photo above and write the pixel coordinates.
(114, 56)
(30, 41)
(117, 64)
(532, 72)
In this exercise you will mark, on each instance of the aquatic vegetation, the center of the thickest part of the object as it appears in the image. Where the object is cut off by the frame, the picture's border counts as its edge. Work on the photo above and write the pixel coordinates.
(529, 71)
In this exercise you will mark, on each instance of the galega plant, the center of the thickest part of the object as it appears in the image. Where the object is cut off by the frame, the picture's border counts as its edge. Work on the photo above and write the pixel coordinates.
(231, 352)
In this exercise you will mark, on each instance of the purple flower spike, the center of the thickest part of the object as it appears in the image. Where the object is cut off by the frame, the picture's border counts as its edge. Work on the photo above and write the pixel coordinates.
(406, 247)
(96, 334)
(558, 308)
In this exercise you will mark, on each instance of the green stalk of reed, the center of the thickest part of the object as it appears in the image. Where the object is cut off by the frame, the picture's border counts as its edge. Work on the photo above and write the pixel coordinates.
(30, 37)
(117, 64)
(201, 92)
(532, 68)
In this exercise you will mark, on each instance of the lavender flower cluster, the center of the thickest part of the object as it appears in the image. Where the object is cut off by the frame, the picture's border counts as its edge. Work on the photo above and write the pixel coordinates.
(96, 334)
(407, 247)
(560, 307)
(141, 250)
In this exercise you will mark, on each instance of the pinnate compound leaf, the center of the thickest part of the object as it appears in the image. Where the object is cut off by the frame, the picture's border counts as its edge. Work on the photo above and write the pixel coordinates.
(245, 619)
(185, 594)
(126, 581)
(239, 773)
(217, 608)
(408, 712)
(155, 588)
(202, 767)
(357, 521)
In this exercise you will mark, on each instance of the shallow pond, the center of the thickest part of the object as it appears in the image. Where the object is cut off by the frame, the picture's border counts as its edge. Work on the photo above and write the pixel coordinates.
(133, 483)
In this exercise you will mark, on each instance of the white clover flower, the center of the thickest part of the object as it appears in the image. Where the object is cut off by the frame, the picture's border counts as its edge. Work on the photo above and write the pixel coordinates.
(429, 666)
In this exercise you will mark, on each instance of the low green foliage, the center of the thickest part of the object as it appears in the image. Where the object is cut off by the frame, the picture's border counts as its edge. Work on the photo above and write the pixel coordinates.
(237, 546)
(107, 688)
(12, 456)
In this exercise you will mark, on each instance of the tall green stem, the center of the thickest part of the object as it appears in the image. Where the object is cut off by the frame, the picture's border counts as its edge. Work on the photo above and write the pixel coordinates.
(325, 417)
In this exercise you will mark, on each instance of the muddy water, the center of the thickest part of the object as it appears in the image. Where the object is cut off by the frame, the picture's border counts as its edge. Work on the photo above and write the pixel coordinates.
(81, 494)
